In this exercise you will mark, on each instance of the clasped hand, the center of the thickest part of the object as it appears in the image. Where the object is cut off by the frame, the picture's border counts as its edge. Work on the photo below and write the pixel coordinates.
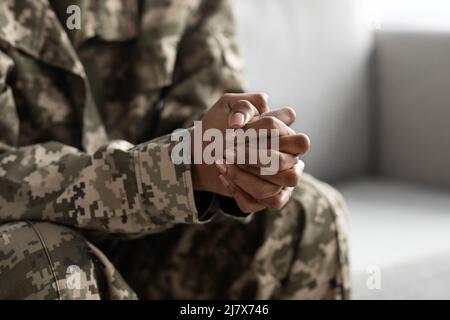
(244, 182)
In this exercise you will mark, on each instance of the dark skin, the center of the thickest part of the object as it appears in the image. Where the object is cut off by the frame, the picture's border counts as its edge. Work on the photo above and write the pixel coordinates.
(251, 190)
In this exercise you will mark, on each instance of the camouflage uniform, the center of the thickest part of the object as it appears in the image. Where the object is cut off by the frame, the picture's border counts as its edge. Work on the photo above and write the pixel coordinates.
(86, 181)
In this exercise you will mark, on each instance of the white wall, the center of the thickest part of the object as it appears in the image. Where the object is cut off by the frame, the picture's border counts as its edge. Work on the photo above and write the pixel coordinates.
(431, 15)
(313, 55)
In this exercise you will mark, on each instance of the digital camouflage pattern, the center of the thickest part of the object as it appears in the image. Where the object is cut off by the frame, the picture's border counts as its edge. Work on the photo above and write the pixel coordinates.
(84, 154)
(34, 263)
(299, 252)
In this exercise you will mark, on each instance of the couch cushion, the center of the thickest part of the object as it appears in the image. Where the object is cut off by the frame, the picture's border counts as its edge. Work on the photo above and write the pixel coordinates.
(413, 86)
(404, 230)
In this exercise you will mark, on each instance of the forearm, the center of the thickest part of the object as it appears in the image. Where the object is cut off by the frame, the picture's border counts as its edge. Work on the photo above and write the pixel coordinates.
(120, 188)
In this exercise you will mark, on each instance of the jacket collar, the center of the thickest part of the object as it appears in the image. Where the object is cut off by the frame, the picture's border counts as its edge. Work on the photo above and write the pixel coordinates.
(33, 27)
(110, 20)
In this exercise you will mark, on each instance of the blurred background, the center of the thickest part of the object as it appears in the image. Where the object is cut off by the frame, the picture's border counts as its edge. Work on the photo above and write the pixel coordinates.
(370, 80)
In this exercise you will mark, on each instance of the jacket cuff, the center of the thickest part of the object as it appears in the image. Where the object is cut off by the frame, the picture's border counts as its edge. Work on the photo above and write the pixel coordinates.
(211, 204)
(165, 189)
(229, 208)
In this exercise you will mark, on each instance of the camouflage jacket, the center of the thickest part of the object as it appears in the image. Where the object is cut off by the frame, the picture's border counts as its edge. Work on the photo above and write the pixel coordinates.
(85, 114)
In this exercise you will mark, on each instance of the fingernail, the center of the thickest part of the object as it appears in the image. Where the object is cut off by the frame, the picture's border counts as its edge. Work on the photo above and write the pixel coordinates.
(222, 168)
(224, 181)
(237, 120)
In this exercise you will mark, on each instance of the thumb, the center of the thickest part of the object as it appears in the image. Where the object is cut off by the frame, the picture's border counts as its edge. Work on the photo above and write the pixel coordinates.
(242, 112)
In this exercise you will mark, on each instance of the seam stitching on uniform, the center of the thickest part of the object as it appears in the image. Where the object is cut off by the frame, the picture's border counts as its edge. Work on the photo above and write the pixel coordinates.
(139, 182)
(41, 239)
(189, 195)
(187, 179)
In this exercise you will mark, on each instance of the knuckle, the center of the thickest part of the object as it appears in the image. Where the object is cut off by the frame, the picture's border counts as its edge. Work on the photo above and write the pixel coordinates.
(292, 178)
(260, 97)
(245, 207)
(243, 105)
(277, 202)
(291, 114)
(261, 101)
(270, 122)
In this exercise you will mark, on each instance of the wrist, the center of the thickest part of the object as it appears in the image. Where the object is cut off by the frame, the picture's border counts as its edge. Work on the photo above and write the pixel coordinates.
(206, 178)
(197, 178)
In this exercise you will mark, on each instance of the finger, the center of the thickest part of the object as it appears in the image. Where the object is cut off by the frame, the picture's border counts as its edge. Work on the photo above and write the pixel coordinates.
(297, 144)
(286, 114)
(270, 122)
(261, 158)
(243, 200)
(278, 201)
(251, 184)
(287, 178)
(259, 100)
(242, 111)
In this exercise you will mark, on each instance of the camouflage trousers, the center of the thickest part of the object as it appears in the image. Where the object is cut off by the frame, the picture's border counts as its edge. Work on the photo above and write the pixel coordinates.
(299, 252)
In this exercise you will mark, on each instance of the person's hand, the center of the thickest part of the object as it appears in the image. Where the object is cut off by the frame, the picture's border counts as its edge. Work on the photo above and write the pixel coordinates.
(231, 111)
(253, 191)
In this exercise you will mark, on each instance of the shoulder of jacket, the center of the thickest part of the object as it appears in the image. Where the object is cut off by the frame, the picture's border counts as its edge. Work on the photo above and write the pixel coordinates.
(22, 24)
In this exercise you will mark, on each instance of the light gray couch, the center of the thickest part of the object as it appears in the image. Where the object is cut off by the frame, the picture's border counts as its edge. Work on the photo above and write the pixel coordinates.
(377, 108)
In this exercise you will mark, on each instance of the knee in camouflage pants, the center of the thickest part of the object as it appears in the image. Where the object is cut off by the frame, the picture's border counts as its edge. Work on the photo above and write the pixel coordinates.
(299, 252)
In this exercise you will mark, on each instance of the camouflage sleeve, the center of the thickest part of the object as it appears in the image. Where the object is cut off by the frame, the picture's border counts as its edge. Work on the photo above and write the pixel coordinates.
(208, 64)
(120, 188)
